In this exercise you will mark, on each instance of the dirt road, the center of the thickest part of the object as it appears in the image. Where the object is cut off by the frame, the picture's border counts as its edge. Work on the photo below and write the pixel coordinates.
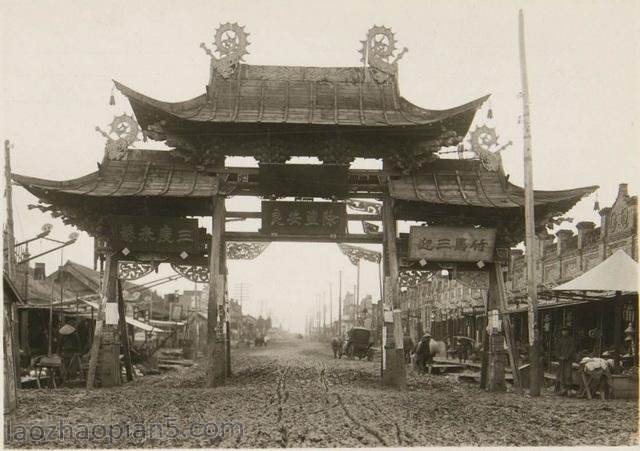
(294, 394)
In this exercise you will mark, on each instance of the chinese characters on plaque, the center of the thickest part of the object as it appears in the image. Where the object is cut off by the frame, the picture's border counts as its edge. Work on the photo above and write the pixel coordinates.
(452, 244)
(160, 234)
(304, 218)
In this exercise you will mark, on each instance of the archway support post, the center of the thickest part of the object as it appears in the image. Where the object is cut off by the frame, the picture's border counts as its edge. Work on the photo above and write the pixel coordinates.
(216, 352)
(393, 368)
(105, 348)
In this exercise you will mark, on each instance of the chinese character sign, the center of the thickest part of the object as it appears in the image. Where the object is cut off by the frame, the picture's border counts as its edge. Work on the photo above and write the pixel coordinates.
(158, 234)
(452, 244)
(304, 218)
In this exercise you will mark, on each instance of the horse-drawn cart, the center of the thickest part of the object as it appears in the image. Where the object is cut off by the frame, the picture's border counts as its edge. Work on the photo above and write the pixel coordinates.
(358, 343)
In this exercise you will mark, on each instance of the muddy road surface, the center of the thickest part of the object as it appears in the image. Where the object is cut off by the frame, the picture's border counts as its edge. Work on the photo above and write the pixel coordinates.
(294, 394)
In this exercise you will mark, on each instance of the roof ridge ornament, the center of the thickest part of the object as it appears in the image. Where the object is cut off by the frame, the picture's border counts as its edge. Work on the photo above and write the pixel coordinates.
(377, 50)
(231, 43)
(126, 129)
(483, 139)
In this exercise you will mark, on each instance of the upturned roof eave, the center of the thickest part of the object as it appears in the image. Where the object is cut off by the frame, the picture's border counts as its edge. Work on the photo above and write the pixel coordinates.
(413, 115)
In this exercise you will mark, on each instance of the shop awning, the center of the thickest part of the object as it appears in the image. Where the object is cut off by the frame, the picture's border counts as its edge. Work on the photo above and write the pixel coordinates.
(619, 272)
(134, 322)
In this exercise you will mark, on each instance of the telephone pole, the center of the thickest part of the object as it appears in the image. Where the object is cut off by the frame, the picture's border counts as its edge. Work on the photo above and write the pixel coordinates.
(324, 312)
(355, 301)
(340, 305)
(530, 242)
(357, 291)
(9, 236)
(331, 309)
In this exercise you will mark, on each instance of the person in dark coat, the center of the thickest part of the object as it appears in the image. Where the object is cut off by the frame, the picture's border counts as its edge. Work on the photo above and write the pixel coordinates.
(463, 347)
(408, 347)
(566, 352)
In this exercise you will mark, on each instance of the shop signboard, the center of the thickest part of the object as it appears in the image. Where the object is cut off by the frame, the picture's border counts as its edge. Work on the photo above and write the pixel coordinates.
(304, 218)
(452, 244)
(155, 234)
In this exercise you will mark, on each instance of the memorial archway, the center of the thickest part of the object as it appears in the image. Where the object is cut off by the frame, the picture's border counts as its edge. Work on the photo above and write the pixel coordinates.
(273, 113)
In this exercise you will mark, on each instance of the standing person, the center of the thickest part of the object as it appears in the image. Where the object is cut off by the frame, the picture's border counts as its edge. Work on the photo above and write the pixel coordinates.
(565, 351)
(408, 346)
(463, 349)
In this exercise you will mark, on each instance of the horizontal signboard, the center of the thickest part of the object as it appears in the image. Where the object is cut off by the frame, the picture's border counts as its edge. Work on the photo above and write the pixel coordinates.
(155, 234)
(452, 244)
(304, 218)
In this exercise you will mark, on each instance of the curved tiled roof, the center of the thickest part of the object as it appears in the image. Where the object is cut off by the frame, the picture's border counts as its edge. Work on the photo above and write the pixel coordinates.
(468, 183)
(298, 95)
(446, 182)
(130, 178)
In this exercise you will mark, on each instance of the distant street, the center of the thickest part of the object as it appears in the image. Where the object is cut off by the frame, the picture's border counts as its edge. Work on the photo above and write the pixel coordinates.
(294, 394)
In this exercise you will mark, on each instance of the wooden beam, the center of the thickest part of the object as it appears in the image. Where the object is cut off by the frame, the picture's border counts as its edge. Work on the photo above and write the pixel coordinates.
(124, 336)
(110, 271)
(258, 215)
(10, 380)
(617, 329)
(216, 359)
(484, 368)
(508, 330)
(357, 191)
(261, 237)
(394, 373)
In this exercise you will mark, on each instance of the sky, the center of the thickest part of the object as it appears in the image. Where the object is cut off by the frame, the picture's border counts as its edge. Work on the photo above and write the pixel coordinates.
(59, 57)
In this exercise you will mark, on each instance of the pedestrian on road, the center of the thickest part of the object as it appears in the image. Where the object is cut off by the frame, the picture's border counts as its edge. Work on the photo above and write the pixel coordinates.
(408, 347)
(462, 348)
(566, 352)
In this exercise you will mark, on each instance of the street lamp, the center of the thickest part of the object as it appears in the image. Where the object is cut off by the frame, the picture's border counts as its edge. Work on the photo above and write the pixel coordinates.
(45, 230)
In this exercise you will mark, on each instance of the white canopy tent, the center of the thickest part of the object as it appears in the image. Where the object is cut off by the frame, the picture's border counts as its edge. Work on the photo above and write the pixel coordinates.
(132, 321)
(619, 272)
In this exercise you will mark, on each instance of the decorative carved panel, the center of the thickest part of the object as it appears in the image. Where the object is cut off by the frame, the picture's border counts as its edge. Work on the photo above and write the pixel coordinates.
(356, 253)
(199, 274)
(134, 270)
(245, 251)
(412, 278)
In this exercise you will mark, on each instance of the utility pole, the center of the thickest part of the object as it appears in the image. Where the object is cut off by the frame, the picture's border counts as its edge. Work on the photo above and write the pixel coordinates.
(317, 314)
(324, 312)
(355, 302)
(340, 304)
(241, 312)
(10, 237)
(12, 370)
(357, 290)
(331, 309)
(530, 242)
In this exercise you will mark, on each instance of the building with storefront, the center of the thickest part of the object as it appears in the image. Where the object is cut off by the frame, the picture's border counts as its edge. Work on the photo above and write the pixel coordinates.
(450, 304)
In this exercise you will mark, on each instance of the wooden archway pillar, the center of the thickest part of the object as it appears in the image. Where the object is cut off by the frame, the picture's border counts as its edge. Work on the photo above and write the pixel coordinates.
(104, 359)
(393, 368)
(216, 349)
